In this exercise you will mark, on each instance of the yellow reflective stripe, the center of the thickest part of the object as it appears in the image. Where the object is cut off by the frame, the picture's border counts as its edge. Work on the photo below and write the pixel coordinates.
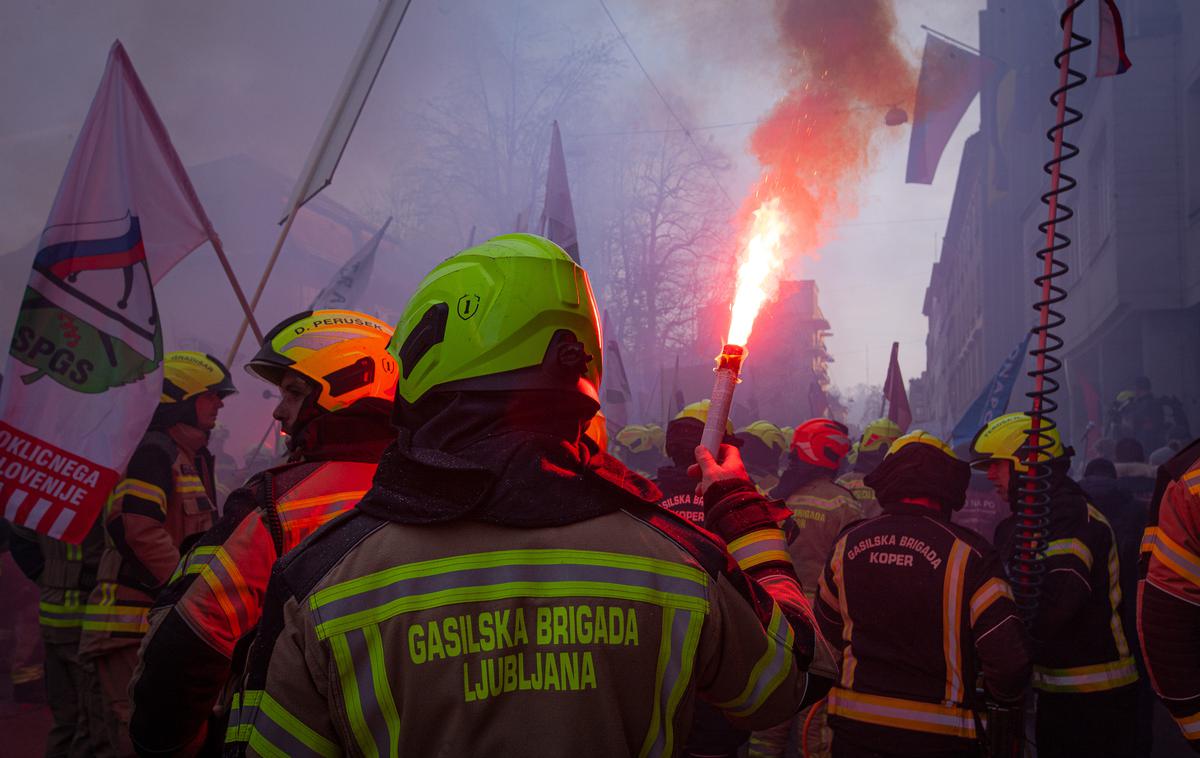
(141, 489)
(849, 662)
(1191, 480)
(189, 484)
(308, 502)
(350, 697)
(1114, 596)
(1100, 676)
(276, 732)
(1171, 554)
(991, 591)
(952, 600)
(820, 503)
(1073, 547)
(1189, 725)
(899, 713)
(195, 561)
(769, 671)
(759, 547)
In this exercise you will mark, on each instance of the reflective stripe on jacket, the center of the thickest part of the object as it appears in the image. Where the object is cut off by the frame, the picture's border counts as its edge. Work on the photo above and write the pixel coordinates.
(919, 609)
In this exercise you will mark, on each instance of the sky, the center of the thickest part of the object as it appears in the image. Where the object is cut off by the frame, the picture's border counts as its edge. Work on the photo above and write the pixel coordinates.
(256, 78)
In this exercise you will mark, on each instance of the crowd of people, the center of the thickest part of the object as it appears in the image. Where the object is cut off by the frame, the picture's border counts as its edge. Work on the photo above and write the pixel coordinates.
(451, 562)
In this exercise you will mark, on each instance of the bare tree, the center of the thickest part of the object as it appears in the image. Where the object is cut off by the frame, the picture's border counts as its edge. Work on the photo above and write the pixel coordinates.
(661, 247)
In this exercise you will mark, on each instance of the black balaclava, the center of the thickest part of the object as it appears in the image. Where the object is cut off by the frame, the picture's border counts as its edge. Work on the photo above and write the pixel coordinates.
(920, 471)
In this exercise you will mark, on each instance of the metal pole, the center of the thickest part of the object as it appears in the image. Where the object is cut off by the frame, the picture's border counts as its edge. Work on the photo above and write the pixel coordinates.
(237, 288)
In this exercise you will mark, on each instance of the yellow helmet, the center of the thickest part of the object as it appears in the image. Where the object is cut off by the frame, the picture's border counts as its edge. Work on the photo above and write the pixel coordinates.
(698, 411)
(880, 432)
(344, 353)
(788, 431)
(597, 429)
(1005, 438)
(920, 437)
(187, 373)
(636, 438)
(852, 456)
(770, 435)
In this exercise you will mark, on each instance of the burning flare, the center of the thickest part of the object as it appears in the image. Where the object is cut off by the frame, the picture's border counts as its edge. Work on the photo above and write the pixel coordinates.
(761, 266)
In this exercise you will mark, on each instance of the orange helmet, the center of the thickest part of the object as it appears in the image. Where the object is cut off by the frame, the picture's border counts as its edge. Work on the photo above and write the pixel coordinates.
(821, 442)
(343, 353)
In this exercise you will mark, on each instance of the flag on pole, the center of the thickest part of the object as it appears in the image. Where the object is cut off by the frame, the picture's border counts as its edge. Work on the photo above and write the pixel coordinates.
(950, 77)
(618, 396)
(349, 283)
(1110, 54)
(84, 369)
(558, 215)
(348, 103)
(894, 395)
(993, 401)
(1091, 405)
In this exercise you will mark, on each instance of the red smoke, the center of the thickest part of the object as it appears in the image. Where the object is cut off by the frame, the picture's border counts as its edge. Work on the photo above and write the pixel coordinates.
(815, 145)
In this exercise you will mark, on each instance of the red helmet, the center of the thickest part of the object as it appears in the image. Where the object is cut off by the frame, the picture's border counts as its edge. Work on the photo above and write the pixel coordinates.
(821, 442)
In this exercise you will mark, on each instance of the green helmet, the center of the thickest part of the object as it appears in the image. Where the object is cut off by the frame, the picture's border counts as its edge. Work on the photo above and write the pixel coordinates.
(513, 313)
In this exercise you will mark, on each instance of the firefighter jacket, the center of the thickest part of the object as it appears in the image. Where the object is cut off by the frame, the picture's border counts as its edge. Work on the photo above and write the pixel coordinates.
(199, 623)
(1169, 597)
(164, 502)
(1079, 641)
(516, 597)
(679, 494)
(65, 575)
(920, 609)
(820, 510)
(863, 495)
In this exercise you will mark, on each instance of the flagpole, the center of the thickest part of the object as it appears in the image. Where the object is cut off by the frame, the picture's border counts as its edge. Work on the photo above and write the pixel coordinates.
(237, 289)
(262, 284)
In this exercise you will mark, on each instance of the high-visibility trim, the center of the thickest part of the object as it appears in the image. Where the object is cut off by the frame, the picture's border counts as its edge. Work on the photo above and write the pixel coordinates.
(1189, 725)
(759, 547)
(1191, 480)
(1095, 678)
(116, 618)
(195, 561)
(74, 552)
(991, 591)
(899, 713)
(676, 653)
(67, 615)
(189, 484)
(849, 662)
(303, 516)
(140, 489)
(506, 574)
(275, 732)
(824, 592)
(1114, 596)
(231, 591)
(769, 671)
(1171, 554)
(820, 503)
(1070, 546)
(952, 608)
(366, 691)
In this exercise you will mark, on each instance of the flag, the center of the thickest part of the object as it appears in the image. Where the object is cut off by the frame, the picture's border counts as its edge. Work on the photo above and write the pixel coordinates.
(84, 370)
(950, 77)
(993, 401)
(894, 395)
(617, 394)
(558, 215)
(1110, 54)
(348, 284)
(348, 103)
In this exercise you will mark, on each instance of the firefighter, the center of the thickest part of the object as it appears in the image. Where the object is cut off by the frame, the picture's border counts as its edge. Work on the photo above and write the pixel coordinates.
(502, 591)
(336, 383)
(683, 436)
(1169, 594)
(819, 509)
(164, 503)
(640, 447)
(869, 452)
(763, 447)
(65, 575)
(919, 608)
(1084, 671)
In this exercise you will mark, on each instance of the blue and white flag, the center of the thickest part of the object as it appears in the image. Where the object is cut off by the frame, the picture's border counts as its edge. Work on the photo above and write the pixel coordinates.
(993, 401)
(349, 283)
